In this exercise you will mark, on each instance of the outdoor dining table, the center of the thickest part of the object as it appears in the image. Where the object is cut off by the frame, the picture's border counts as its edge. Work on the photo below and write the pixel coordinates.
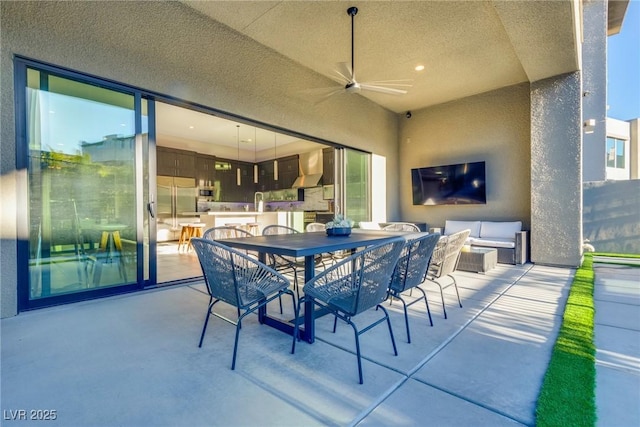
(306, 245)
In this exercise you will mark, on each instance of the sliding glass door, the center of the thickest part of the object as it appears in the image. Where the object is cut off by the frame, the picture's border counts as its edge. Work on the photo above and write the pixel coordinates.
(82, 149)
(354, 174)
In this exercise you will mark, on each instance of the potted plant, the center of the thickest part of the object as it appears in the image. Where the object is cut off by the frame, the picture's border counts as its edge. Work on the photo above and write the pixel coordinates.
(340, 226)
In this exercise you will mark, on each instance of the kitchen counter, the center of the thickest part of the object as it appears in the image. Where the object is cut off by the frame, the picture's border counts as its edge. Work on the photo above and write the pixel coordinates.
(219, 219)
(225, 213)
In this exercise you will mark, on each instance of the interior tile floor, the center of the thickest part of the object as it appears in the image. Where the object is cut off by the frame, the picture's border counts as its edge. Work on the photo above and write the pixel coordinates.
(176, 265)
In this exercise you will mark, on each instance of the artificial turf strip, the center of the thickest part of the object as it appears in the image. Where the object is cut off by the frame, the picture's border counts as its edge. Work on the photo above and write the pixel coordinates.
(567, 397)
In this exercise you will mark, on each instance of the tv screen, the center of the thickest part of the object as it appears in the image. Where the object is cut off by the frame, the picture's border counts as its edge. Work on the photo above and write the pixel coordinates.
(460, 184)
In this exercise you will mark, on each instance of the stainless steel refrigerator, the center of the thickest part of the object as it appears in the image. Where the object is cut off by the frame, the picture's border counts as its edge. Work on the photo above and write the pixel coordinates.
(176, 204)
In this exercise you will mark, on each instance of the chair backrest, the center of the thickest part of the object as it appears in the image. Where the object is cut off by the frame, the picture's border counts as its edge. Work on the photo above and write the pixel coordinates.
(437, 257)
(446, 253)
(402, 226)
(454, 246)
(366, 225)
(315, 226)
(216, 261)
(216, 233)
(414, 261)
(278, 229)
(360, 281)
(227, 272)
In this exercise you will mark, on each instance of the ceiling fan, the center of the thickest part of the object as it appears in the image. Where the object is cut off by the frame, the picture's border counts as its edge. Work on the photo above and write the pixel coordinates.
(347, 74)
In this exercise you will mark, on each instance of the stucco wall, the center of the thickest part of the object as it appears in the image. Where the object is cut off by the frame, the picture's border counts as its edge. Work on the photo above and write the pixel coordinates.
(171, 49)
(556, 171)
(491, 127)
(594, 87)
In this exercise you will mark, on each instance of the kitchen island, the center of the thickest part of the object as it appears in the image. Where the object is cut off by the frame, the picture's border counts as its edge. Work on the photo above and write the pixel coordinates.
(221, 218)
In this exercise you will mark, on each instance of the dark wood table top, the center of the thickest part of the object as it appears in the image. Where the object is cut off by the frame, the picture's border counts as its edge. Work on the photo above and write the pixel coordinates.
(309, 244)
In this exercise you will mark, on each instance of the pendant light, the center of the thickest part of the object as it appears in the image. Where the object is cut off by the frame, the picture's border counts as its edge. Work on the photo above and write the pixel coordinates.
(255, 164)
(275, 157)
(238, 173)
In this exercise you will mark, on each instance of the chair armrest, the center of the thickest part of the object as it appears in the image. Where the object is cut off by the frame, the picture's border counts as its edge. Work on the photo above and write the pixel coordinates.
(522, 247)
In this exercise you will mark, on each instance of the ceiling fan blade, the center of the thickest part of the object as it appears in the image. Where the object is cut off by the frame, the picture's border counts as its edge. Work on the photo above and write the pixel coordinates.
(329, 95)
(394, 83)
(320, 91)
(382, 89)
(344, 71)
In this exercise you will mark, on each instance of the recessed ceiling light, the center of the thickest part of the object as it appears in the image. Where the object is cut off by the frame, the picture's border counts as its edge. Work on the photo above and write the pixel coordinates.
(419, 67)
(190, 127)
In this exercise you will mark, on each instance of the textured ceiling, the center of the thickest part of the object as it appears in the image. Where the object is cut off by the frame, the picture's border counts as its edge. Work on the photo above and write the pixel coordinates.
(466, 47)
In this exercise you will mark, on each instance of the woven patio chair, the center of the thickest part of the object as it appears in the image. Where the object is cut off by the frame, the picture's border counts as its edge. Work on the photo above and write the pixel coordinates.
(227, 232)
(352, 286)
(282, 263)
(444, 262)
(238, 280)
(224, 232)
(401, 226)
(410, 271)
(315, 226)
(328, 258)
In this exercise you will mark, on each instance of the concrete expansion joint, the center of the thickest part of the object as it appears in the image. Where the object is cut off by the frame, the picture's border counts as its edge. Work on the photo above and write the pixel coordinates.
(430, 356)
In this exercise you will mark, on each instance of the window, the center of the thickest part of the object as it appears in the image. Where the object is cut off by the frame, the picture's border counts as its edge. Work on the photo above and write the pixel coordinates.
(615, 153)
(81, 183)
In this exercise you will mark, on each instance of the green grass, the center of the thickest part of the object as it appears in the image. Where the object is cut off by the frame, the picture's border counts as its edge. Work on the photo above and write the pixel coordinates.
(612, 255)
(567, 397)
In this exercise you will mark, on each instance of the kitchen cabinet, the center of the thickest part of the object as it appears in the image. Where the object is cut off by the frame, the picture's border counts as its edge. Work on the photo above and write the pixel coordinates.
(287, 173)
(328, 158)
(230, 191)
(205, 170)
(265, 176)
(174, 162)
(247, 187)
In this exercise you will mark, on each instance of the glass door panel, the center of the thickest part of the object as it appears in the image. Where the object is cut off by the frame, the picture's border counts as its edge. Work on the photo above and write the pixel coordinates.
(356, 194)
(82, 186)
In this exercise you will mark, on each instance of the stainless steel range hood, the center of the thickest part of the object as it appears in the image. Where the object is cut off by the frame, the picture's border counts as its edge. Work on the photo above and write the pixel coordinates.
(310, 170)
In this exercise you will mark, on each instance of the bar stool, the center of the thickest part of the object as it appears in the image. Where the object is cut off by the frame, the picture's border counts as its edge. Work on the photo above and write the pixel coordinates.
(196, 231)
(253, 228)
(185, 234)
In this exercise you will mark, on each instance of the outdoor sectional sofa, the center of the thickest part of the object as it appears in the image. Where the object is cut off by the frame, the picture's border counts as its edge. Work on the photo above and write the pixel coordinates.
(505, 236)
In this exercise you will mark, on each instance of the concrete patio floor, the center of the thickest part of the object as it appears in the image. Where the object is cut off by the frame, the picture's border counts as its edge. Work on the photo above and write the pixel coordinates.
(133, 360)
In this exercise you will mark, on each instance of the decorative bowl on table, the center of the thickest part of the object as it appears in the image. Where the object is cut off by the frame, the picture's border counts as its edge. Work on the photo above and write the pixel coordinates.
(339, 226)
(339, 231)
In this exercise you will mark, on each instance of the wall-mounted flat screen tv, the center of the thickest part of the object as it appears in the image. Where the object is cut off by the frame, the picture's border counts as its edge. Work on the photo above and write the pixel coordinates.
(459, 184)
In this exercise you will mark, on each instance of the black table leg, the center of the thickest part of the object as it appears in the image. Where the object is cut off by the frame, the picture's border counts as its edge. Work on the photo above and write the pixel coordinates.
(309, 312)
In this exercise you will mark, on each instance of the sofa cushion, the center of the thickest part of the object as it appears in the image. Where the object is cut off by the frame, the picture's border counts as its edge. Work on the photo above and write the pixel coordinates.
(451, 227)
(494, 243)
(500, 230)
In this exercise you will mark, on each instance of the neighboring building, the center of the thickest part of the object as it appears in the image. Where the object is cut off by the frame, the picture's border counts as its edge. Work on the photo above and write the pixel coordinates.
(611, 205)
(619, 150)
(526, 123)
(112, 149)
(634, 149)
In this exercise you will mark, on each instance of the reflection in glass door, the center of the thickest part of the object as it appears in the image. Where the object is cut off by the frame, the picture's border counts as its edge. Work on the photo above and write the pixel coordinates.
(83, 230)
(356, 197)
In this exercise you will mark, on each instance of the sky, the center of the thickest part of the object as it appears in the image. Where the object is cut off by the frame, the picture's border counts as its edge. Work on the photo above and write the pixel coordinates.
(623, 63)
